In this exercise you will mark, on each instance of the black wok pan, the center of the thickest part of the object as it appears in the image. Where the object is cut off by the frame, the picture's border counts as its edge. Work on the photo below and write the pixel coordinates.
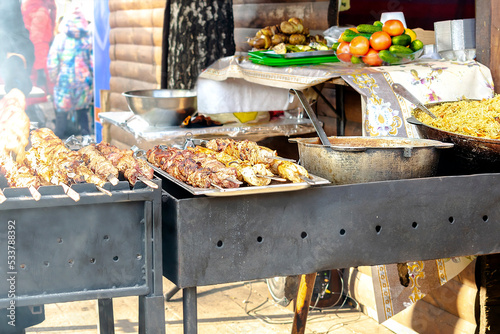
(469, 154)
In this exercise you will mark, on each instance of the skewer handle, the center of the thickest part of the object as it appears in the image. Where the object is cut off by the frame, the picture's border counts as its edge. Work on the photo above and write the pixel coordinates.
(104, 191)
(148, 182)
(34, 193)
(71, 193)
(2, 197)
(113, 179)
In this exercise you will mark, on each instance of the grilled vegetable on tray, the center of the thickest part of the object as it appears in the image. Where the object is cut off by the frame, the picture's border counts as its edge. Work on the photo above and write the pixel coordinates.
(288, 36)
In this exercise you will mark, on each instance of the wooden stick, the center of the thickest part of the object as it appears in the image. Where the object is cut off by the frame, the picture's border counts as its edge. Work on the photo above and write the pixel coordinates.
(104, 191)
(148, 182)
(2, 197)
(113, 179)
(35, 193)
(304, 295)
(70, 192)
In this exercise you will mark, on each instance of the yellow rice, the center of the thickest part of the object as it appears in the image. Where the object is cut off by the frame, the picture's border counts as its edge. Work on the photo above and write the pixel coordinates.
(472, 118)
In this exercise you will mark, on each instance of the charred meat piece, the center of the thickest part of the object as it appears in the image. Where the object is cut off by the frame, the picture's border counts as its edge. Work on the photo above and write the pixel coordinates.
(130, 167)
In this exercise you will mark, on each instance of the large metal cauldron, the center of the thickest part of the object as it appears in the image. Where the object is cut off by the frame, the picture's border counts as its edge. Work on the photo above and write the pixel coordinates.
(366, 159)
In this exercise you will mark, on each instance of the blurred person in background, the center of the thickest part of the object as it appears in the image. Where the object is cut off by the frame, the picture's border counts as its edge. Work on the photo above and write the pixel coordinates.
(16, 48)
(195, 35)
(16, 61)
(40, 18)
(70, 67)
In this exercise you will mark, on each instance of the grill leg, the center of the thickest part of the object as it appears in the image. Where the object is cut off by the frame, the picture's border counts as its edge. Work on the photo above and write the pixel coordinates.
(171, 293)
(189, 310)
(106, 319)
(151, 315)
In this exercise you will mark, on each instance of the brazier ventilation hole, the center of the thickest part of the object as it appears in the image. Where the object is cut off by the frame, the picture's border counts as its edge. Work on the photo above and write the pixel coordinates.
(451, 220)
(115, 258)
(220, 244)
(342, 232)
(485, 218)
(378, 228)
(414, 224)
(259, 239)
(303, 235)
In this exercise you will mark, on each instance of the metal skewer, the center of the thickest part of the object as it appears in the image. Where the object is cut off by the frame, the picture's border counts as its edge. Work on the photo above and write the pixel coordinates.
(274, 178)
(307, 179)
(234, 180)
(217, 186)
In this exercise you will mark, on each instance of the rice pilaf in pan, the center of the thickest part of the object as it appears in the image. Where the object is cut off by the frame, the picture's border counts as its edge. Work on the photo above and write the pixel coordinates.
(466, 117)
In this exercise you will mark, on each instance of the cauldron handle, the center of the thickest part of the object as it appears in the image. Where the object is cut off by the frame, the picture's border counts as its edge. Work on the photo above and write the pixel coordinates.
(312, 116)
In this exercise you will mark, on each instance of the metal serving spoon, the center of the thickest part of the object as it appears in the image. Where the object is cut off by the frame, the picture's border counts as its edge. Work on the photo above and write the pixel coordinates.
(401, 90)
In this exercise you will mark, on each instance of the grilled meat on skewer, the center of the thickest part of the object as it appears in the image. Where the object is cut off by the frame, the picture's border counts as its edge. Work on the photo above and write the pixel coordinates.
(245, 150)
(14, 124)
(251, 151)
(99, 164)
(53, 159)
(289, 170)
(20, 176)
(124, 161)
(253, 175)
(194, 168)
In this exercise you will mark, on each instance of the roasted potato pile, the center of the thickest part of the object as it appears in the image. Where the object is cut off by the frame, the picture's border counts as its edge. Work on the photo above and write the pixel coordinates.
(288, 36)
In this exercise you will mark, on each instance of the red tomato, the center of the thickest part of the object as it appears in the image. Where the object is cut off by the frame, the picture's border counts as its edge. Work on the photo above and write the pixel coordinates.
(372, 58)
(343, 52)
(380, 40)
(359, 46)
(393, 27)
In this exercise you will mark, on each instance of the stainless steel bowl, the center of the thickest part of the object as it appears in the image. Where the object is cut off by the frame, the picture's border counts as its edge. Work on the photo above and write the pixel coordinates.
(162, 107)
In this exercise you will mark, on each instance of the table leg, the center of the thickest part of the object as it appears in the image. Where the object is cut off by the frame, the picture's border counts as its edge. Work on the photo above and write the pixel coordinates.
(106, 318)
(304, 295)
(340, 103)
(189, 310)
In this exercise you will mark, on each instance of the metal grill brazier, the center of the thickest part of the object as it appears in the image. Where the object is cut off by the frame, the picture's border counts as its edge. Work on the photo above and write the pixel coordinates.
(100, 247)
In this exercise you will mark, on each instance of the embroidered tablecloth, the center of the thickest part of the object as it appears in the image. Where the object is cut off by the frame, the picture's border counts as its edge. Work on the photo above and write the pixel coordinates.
(384, 114)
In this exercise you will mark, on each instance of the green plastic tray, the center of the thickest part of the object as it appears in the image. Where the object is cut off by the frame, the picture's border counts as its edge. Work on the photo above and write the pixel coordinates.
(259, 57)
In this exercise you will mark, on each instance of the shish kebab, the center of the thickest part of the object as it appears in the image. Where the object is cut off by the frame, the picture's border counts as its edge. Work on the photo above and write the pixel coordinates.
(132, 169)
(19, 176)
(252, 152)
(194, 168)
(256, 175)
(57, 164)
(99, 164)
